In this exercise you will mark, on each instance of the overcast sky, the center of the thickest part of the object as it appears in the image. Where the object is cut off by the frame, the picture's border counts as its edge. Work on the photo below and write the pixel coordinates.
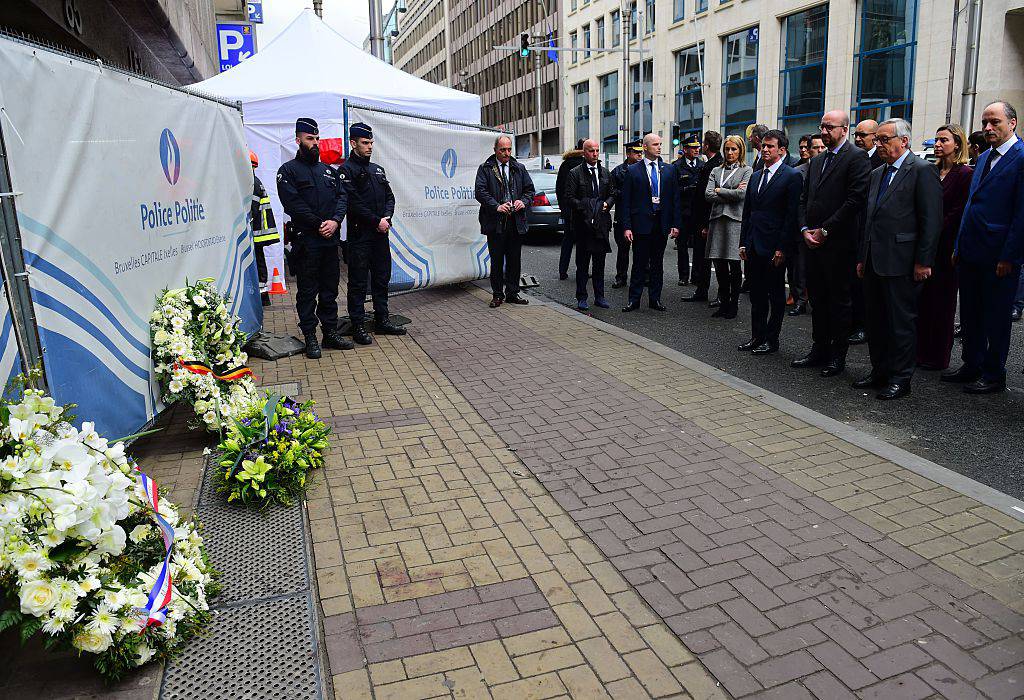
(349, 17)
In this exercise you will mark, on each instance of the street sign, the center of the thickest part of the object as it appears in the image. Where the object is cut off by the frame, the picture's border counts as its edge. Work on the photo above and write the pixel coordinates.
(236, 41)
(753, 35)
(254, 11)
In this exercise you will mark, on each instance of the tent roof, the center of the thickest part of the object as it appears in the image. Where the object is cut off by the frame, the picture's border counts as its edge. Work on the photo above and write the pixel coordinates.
(310, 58)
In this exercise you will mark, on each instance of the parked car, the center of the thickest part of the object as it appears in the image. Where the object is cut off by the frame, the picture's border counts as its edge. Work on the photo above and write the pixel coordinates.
(544, 216)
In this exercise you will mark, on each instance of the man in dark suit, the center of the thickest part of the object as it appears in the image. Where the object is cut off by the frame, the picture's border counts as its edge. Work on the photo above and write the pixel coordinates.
(570, 159)
(688, 167)
(989, 252)
(864, 139)
(755, 133)
(634, 152)
(589, 197)
(650, 215)
(768, 235)
(902, 224)
(830, 212)
(505, 191)
(700, 213)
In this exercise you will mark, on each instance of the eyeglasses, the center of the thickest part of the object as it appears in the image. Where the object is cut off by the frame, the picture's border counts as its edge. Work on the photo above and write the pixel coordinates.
(862, 134)
(885, 139)
(830, 127)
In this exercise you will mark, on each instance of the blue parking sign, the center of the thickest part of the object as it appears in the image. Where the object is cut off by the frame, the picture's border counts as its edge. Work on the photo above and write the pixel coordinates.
(254, 11)
(753, 35)
(236, 41)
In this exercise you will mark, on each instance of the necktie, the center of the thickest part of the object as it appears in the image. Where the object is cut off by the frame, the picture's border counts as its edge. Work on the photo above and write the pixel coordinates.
(988, 165)
(884, 185)
(504, 181)
(593, 181)
(829, 155)
(766, 175)
(654, 181)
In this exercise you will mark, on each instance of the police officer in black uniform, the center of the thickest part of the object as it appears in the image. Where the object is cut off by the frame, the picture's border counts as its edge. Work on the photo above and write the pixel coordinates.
(371, 206)
(634, 152)
(313, 196)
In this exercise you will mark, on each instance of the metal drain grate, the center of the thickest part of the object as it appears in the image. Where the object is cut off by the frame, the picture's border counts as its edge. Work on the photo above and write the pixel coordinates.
(259, 554)
(291, 389)
(258, 650)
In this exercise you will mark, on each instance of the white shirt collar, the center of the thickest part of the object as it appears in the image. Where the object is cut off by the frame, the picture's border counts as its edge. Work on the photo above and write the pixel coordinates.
(899, 161)
(838, 146)
(774, 168)
(648, 162)
(871, 151)
(1001, 150)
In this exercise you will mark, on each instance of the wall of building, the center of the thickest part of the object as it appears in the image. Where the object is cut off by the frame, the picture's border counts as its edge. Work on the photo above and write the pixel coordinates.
(1001, 48)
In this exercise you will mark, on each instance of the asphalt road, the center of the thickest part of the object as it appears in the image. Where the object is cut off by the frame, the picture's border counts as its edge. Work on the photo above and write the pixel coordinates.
(981, 437)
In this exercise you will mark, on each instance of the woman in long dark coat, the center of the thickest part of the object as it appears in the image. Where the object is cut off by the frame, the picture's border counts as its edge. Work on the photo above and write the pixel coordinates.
(937, 306)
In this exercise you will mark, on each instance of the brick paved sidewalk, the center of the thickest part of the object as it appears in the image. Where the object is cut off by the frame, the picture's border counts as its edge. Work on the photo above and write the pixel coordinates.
(520, 504)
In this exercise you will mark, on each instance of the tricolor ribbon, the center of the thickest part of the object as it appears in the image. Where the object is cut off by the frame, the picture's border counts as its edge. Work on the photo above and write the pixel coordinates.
(155, 612)
(228, 376)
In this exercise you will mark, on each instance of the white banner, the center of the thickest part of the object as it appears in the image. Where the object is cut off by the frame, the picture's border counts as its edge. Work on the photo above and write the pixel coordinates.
(127, 188)
(431, 166)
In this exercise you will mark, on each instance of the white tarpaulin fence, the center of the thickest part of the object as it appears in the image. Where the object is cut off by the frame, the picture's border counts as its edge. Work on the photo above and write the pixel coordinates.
(127, 187)
(431, 165)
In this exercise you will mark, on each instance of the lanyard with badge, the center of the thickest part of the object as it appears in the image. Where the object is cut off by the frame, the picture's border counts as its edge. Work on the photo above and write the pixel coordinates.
(727, 180)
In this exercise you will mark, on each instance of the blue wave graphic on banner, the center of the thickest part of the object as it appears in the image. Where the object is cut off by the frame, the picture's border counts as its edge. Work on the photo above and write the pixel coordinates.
(412, 263)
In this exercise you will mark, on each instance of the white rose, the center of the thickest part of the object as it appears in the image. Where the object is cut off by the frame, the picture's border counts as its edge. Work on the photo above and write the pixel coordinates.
(92, 640)
(37, 597)
(139, 533)
(143, 654)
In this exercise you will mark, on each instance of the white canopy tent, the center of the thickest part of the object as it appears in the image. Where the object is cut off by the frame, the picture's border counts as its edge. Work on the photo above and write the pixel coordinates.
(308, 70)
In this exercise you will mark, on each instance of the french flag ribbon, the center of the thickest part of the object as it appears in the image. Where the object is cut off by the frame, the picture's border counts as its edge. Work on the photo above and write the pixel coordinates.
(155, 612)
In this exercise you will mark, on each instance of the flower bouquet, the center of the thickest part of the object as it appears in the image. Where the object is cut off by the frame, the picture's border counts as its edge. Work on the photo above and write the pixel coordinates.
(268, 451)
(88, 555)
(197, 351)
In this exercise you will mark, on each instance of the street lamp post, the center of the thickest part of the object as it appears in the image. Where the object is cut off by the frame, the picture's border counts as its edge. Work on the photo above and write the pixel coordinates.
(538, 102)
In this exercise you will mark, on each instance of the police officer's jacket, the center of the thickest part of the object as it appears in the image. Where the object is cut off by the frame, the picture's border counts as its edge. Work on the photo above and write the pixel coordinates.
(618, 180)
(264, 228)
(370, 198)
(311, 193)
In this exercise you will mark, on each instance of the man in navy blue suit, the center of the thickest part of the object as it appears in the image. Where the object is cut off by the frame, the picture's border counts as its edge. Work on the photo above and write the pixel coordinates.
(650, 215)
(769, 233)
(988, 254)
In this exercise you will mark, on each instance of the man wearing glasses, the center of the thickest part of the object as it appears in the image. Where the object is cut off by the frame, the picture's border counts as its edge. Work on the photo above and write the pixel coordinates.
(834, 196)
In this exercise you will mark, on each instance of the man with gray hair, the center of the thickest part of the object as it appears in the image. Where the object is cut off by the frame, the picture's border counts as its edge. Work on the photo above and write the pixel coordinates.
(902, 224)
(754, 136)
(505, 191)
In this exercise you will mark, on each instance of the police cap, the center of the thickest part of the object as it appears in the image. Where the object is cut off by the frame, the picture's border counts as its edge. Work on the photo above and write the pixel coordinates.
(359, 130)
(691, 140)
(635, 146)
(306, 125)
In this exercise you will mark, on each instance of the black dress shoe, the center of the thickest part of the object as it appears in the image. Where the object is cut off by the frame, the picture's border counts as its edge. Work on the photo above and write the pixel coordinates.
(516, 300)
(834, 367)
(359, 334)
(658, 306)
(893, 391)
(798, 309)
(696, 296)
(961, 375)
(984, 386)
(714, 304)
(745, 287)
(870, 381)
(750, 345)
(631, 306)
(1015, 315)
(618, 284)
(496, 302)
(719, 312)
(765, 348)
(384, 326)
(333, 341)
(958, 331)
(811, 359)
(729, 311)
(858, 337)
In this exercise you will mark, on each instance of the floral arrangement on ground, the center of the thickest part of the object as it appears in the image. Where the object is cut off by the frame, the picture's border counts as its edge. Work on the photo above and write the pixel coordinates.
(197, 351)
(268, 452)
(90, 555)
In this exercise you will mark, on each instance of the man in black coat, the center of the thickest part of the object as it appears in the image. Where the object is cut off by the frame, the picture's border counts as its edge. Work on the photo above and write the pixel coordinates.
(634, 152)
(313, 196)
(570, 159)
(696, 227)
(688, 167)
(589, 197)
(831, 206)
(897, 251)
(505, 191)
(767, 237)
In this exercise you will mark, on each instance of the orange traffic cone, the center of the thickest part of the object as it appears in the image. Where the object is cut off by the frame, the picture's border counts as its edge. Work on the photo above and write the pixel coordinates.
(277, 283)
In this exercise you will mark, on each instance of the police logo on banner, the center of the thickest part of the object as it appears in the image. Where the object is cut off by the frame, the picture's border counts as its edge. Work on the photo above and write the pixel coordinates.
(449, 160)
(170, 156)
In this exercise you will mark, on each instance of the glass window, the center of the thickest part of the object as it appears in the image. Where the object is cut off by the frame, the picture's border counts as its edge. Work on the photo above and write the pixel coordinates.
(632, 20)
(581, 106)
(586, 40)
(649, 19)
(599, 30)
(610, 113)
(678, 8)
(644, 126)
(802, 75)
(739, 81)
(573, 5)
(689, 97)
(573, 42)
(702, 6)
(616, 28)
(884, 63)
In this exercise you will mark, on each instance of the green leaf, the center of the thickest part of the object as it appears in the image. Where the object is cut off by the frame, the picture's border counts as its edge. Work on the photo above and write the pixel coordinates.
(29, 628)
(66, 550)
(135, 436)
(10, 618)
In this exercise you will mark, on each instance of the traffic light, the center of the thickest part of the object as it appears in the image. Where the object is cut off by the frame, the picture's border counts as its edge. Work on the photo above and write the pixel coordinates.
(524, 45)
(675, 142)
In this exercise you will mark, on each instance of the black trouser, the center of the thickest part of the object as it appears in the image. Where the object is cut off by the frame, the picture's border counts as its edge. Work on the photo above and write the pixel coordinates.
(700, 273)
(828, 288)
(986, 302)
(729, 280)
(369, 265)
(683, 258)
(505, 247)
(621, 254)
(767, 297)
(568, 241)
(317, 274)
(796, 274)
(648, 263)
(891, 324)
(583, 271)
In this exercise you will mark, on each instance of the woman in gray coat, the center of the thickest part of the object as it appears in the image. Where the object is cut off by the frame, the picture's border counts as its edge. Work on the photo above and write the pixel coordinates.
(726, 189)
